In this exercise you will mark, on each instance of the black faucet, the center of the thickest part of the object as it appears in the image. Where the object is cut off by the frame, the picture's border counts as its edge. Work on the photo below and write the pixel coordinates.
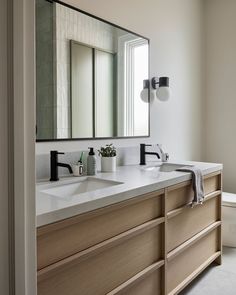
(143, 153)
(55, 164)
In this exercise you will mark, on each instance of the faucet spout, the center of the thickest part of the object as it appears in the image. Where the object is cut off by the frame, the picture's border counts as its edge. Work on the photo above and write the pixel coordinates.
(152, 153)
(65, 166)
(160, 154)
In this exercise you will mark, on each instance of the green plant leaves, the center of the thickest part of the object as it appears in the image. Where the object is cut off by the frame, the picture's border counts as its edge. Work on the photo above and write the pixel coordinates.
(108, 151)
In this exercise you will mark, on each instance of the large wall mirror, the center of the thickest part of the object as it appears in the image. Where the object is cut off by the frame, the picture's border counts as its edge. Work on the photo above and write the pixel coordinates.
(89, 75)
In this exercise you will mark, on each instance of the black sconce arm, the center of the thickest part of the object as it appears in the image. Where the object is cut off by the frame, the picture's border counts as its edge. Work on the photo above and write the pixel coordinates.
(162, 81)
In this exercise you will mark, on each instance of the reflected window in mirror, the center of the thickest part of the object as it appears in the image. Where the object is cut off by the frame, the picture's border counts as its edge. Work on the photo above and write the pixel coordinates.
(89, 75)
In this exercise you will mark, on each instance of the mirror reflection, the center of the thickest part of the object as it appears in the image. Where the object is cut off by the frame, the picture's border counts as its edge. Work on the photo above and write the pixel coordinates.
(89, 76)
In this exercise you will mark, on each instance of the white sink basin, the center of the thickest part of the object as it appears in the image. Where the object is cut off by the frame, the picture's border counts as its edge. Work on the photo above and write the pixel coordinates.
(74, 188)
(165, 167)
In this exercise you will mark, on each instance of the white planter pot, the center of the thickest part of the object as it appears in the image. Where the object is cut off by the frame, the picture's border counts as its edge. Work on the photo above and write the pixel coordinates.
(108, 164)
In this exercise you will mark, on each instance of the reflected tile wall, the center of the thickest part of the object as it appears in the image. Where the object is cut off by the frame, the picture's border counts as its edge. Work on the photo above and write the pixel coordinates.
(72, 25)
(44, 70)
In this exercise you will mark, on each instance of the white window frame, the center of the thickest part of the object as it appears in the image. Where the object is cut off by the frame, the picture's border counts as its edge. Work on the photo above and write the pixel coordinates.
(126, 46)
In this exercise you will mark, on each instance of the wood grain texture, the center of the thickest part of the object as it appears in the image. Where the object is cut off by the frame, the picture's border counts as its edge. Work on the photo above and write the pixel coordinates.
(95, 213)
(164, 248)
(183, 194)
(135, 247)
(107, 270)
(64, 239)
(219, 258)
(190, 222)
(136, 283)
(195, 273)
(150, 285)
(181, 209)
(97, 249)
(181, 248)
(188, 261)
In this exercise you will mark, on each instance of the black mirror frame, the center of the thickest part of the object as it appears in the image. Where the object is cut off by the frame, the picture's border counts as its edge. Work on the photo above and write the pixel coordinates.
(119, 27)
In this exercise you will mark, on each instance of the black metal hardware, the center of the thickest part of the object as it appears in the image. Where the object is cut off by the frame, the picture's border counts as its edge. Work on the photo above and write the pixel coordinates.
(143, 153)
(162, 82)
(54, 164)
(119, 27)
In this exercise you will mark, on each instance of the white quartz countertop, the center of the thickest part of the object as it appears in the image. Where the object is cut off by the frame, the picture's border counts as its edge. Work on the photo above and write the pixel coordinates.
(135, 180)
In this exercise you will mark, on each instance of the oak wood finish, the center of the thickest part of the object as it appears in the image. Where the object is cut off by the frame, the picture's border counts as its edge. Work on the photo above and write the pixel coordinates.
(182, 194)
(219, 258)
(164, 237)
(97, 249)
(149, 279)
(195, 273)
(190, 222)
(181, 209)
(188, 261)
(135, 247)
(150, 285)
(172, 254)
(106, 270)
(63, 239)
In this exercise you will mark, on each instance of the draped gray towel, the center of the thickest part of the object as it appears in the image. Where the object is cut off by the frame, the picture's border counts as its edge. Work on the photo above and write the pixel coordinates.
(197, 183)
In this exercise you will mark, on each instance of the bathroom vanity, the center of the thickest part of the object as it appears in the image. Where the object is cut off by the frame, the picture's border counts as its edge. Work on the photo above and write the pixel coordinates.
(137, 235)
(128, 232)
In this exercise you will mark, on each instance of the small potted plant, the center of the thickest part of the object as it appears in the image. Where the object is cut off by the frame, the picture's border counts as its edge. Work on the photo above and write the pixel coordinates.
(108, 158)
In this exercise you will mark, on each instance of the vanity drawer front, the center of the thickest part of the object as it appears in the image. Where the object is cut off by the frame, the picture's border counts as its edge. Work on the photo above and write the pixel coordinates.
(179, 270)
(182, 194)
(150, 285)
(65, 238)
(105, 269)
(191, 221)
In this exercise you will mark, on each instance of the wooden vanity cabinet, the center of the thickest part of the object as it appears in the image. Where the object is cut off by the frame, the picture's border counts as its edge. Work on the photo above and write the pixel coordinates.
(67, 237)
(139, 246)
(193, 235)
(183, 222)
(106, 251)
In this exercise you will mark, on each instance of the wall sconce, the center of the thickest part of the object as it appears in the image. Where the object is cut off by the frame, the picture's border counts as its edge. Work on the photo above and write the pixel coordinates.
(144, 93)
(163, 91)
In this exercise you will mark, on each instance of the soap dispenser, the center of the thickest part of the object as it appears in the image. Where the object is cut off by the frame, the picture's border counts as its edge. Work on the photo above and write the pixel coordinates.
(91, 162)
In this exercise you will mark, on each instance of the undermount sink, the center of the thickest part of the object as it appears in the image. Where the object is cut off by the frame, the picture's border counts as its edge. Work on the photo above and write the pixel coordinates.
(74, 188)
(165, 167)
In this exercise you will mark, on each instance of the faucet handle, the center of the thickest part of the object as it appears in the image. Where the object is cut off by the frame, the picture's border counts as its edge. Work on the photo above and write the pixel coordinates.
(166, 157)
(159, 145)
(55, 153)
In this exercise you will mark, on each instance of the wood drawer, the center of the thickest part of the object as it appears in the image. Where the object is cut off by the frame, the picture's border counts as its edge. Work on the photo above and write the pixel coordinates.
(151, 285)
(148, 282)
(104, 269)
(65, 238)
(182, 194)
(179, 270)
(191, 221)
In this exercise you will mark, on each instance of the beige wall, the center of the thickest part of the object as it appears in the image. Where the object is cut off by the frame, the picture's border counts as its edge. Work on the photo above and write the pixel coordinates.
(221, 93)
(3, 152)
(176, 33)
(24, 147)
